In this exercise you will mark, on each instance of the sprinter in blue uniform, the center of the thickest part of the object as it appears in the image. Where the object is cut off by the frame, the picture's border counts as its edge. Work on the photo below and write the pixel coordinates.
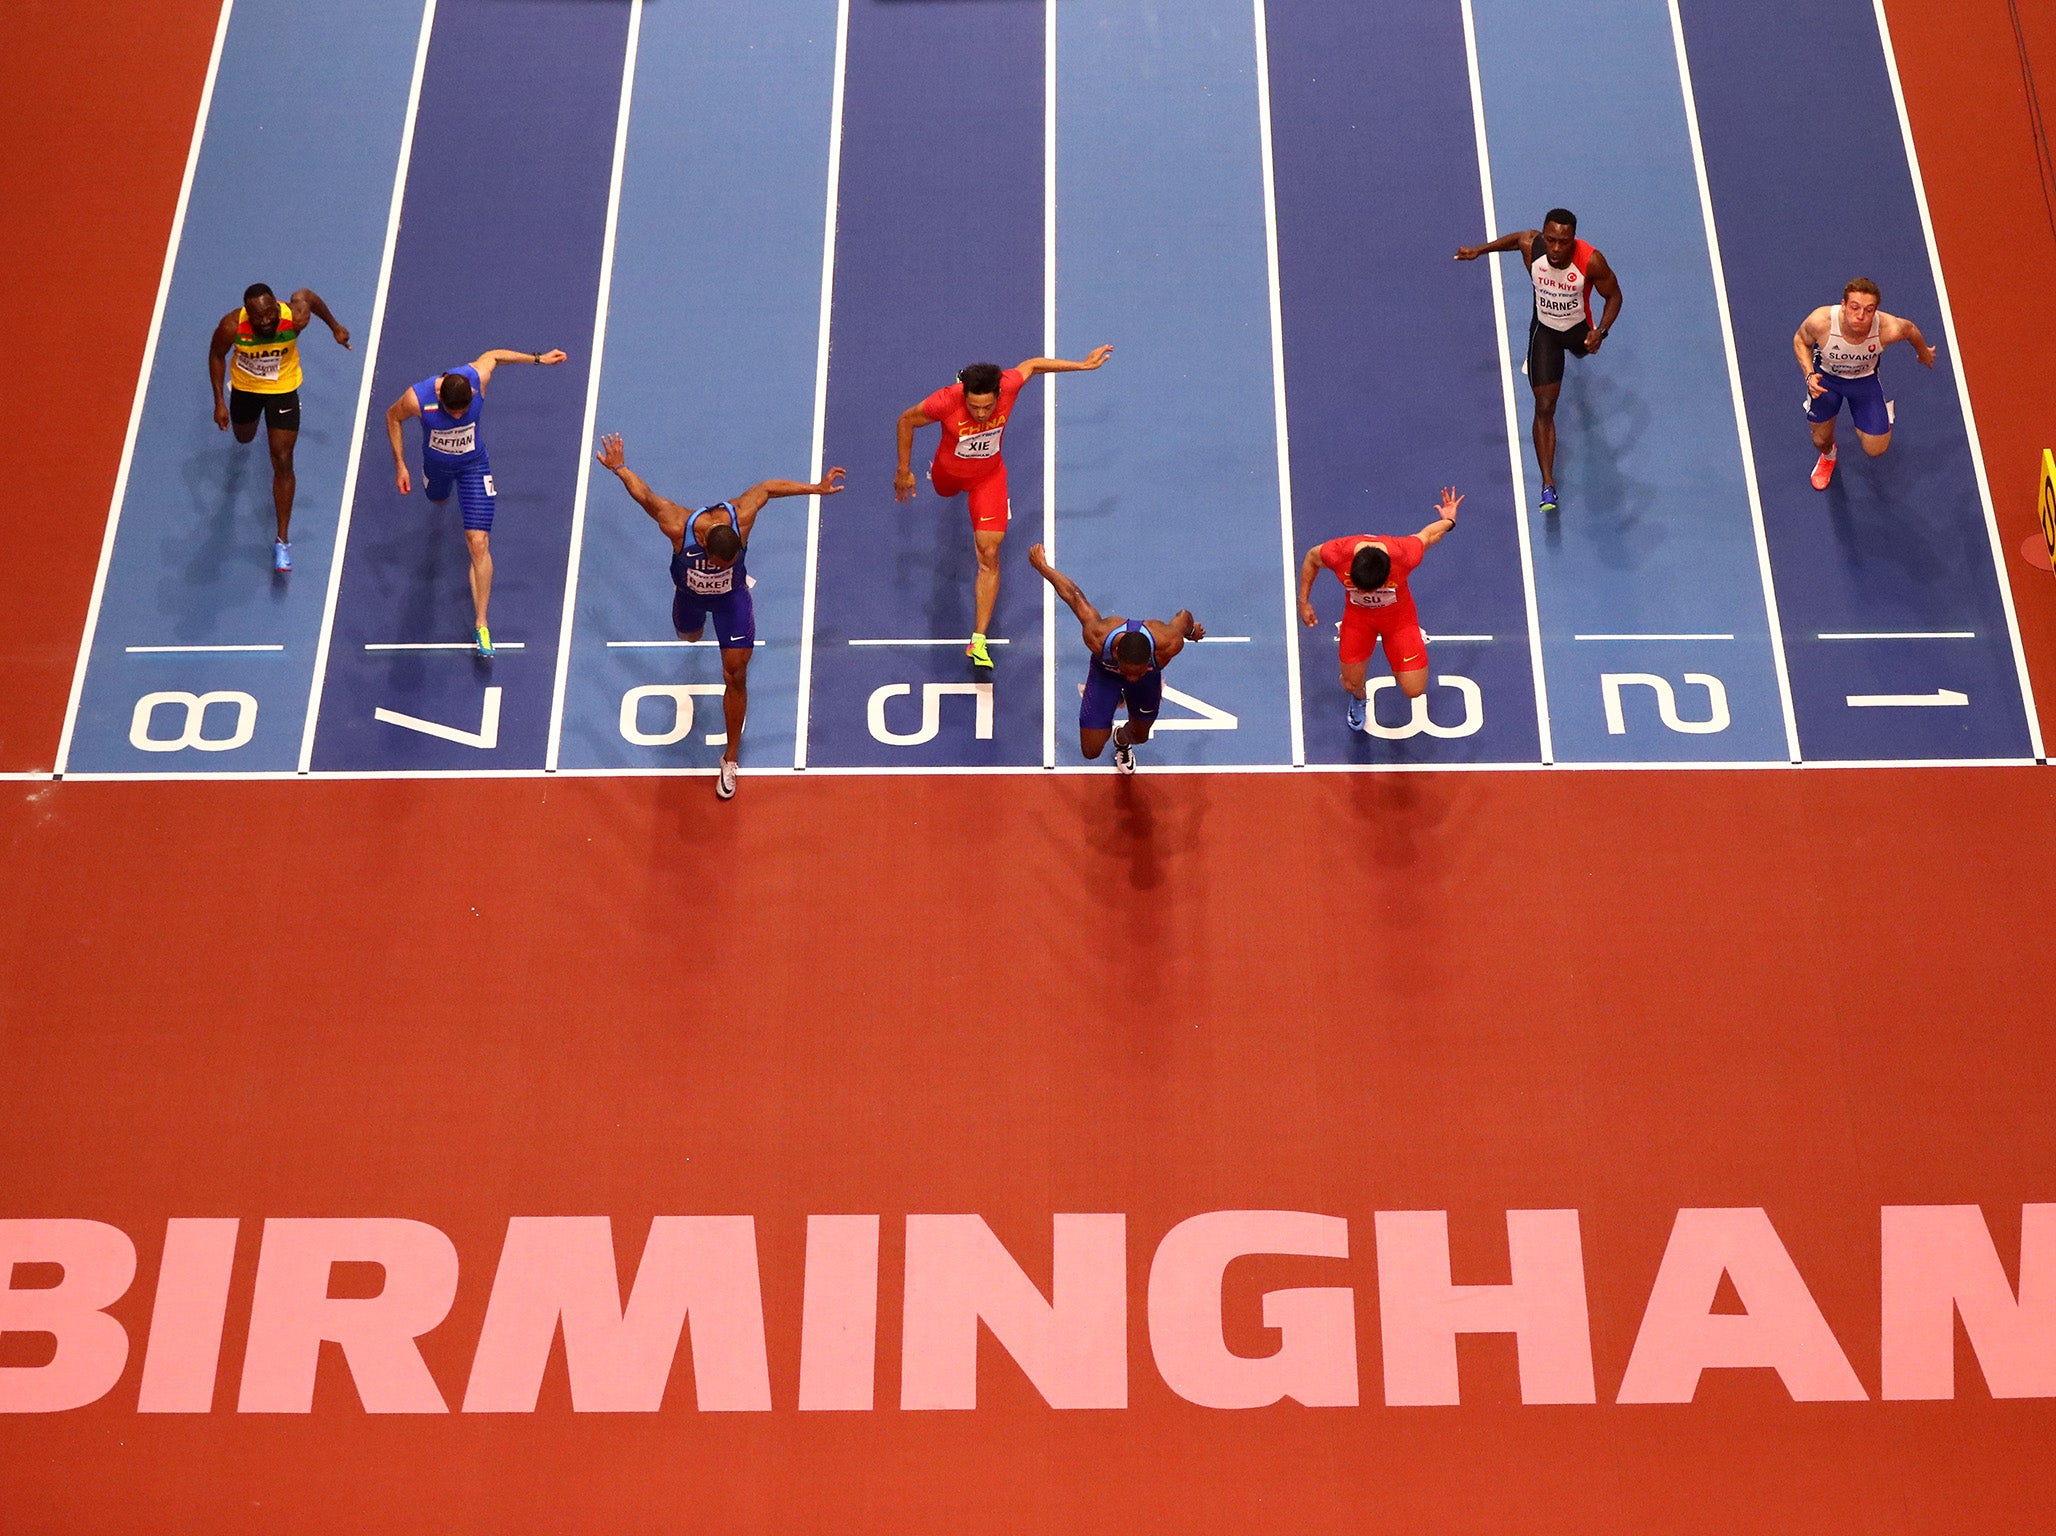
(709, 581)
(451, 406)
(1128, 661)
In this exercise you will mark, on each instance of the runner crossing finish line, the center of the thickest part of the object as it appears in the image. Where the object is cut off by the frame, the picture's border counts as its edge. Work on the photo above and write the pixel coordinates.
(452, 407)
(973, 415)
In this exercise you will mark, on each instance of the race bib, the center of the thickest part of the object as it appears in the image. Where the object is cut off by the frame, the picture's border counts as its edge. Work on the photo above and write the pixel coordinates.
(1377, 597)
(710, 583)
(260, 365)
(453, 440)
(980, 445)
(488, 479)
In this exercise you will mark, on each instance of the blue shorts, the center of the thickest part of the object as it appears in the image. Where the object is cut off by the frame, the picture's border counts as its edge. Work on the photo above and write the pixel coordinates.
(1866, 397)
(1104, 690)
(475, 492)
(734, 615)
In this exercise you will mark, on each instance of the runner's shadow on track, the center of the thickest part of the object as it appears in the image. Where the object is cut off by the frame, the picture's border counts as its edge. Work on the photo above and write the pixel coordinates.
(1400, 813)
(1605, 424)
(1878, 511)
(1137, 830)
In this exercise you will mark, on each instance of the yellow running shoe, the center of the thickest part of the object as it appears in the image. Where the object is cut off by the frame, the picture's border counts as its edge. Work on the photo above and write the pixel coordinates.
(484, 637)
(980, 656)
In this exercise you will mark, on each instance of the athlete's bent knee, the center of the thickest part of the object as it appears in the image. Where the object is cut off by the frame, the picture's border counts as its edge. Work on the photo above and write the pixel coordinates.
(1413, 684)
(1875, 446)
(694, 636)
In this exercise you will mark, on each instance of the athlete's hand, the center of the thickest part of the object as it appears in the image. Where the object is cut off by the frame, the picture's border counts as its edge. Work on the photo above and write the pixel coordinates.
(1593, 341)
(1469, 252)
(1814, 387)
(1307, 616)
(221, 415)
(903, 485)
(404, 481)
(831, 483)
(1097, 356)
(342, 336)
(612, 455)
(1449, 503)
(1196, 632)
(551, 357)
(1926, 356)
(1038, 557)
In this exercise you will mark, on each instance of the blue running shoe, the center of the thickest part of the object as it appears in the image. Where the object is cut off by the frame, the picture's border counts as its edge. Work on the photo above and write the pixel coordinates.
(1548, 498)
(484, 637)
(1356, 714)
(281, 555)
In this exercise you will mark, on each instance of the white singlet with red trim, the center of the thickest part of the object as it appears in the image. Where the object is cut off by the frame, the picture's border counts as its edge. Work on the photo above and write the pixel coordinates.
(1563, 295)
(1848, 358)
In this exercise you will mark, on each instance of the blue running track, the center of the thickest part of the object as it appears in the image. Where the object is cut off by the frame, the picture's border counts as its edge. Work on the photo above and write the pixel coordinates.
(1392, 371)
(500, 242)
(712, 337)
(1655, 536)
(293, 188)
(938, 263)
(1898, 546)
(1695, 601)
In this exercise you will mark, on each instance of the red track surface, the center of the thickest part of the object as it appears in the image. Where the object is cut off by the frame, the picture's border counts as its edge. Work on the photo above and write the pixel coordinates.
(1814, 992)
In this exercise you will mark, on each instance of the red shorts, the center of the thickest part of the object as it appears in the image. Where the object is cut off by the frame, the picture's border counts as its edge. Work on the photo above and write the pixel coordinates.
(988, 494)
(1406, 648)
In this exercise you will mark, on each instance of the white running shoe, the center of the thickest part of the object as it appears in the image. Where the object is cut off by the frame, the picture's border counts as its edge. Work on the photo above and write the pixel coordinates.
(725, 785)
(1124, 755)
(281, 555)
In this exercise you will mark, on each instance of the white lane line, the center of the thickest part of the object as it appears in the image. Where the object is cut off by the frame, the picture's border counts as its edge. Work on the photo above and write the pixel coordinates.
(806, 683)
(447, 645)
(1652, 637)
(1941, 698)
(1747, 444)
(1295, 710)
(1049, 382)
(1977, 452)
(375, 333)
(1513, 420)
(135, 421)
(1456, 639)
(192, 650)
(592, 393)
(966, 640)
(657, 645)
(1898, 634)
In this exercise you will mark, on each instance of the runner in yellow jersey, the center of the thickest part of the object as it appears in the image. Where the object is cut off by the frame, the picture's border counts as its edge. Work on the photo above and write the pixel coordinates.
(258, 348)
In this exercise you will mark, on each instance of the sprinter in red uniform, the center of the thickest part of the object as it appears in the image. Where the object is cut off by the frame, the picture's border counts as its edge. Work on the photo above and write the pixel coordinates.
(1373, 569)
(973, 415)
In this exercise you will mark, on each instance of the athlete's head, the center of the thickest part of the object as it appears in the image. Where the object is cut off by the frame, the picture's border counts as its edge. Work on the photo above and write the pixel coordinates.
(261, 304)
(453, 393)
(1133, 653)
(1559, 235)
(722, 545)
(981, 389)
(1859, 304)
(1370, 568)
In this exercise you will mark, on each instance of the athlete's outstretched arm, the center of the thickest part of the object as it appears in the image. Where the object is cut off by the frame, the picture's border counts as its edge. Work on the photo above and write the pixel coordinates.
(1608, 287)
(1898, 328)
(1432, 534)
(305, 302)
(1067, 589)
(217, 364)
(402, 409)
(1519, 240)
(1170, 638)
(751, 501)
(1309, 568)
(486, 362)
(911, 420)
(1030, 367)
(669, 515)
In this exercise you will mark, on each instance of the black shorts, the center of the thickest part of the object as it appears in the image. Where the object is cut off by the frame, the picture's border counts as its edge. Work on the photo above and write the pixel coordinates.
(281, 413)
(1546, 349)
